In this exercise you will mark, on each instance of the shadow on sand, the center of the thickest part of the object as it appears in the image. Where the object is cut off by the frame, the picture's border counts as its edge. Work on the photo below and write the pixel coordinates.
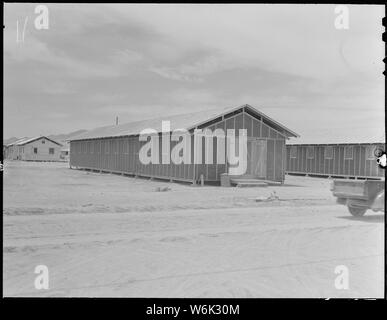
(375, 218)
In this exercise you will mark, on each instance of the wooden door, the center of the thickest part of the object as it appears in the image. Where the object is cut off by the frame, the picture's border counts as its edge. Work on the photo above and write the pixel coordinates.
(256, 158)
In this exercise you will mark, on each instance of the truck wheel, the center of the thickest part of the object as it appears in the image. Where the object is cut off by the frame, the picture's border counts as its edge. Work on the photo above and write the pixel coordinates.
(357, 211)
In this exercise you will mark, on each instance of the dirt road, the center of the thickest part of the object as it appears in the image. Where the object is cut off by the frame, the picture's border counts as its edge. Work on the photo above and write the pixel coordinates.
(231, 247)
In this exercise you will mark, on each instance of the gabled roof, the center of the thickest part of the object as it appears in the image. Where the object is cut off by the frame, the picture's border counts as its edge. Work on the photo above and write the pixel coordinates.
(336, 137)
(181, 121)
(26, 141)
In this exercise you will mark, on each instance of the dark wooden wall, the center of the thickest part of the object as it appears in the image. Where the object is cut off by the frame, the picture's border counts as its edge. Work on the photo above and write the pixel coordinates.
(361, 164)
(121, 154)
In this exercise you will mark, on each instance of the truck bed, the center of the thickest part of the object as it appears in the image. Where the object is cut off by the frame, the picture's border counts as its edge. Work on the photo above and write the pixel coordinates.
(356, 189)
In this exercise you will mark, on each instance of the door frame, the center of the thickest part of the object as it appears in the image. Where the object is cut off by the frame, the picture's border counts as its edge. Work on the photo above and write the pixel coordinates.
(250, 152)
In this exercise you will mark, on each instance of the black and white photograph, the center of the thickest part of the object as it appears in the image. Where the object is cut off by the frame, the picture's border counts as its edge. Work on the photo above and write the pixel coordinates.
(193, 151)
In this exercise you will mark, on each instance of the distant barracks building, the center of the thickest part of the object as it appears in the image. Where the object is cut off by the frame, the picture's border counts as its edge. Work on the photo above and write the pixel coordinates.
(34, 149)
(344, 158)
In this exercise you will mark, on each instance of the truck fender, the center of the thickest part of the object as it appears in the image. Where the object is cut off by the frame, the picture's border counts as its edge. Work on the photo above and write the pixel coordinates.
(378, 203)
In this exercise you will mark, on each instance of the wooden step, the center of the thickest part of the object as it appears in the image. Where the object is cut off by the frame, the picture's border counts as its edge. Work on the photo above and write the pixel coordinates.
(239, 182)
(251, 184)
(272, 183)
(236, 180)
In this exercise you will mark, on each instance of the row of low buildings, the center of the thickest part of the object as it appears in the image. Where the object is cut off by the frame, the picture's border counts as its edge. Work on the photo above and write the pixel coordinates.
(270, 157)
(38, 148)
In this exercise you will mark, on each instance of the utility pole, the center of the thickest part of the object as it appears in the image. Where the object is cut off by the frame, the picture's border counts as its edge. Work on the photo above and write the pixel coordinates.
(117, 121)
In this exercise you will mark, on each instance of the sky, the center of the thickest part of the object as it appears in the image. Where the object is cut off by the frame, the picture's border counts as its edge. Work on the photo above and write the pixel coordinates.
(99, 61)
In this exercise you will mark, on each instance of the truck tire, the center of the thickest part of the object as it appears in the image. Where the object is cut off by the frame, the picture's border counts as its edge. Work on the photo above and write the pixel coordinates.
(357, 211)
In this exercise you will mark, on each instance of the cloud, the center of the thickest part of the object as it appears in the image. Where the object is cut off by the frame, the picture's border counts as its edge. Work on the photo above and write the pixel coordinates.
(126, 56)
(97, 61)
(195, 71)
(297, 39)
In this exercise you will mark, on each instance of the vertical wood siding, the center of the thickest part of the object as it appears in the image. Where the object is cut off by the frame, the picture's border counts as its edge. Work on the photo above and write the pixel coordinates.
(360, 165)
(120, 154)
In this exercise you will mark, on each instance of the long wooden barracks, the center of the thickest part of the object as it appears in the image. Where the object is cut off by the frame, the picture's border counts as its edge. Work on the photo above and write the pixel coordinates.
(343, 158)
(116, 148)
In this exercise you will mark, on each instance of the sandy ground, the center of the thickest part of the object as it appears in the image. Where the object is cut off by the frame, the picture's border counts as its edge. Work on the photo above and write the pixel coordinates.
(108, 235)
